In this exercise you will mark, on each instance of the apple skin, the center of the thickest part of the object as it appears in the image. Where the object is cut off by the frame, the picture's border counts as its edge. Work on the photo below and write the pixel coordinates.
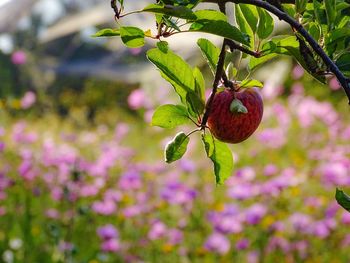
(235, 127)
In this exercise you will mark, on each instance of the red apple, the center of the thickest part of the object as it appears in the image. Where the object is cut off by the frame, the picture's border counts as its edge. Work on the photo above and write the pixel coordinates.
(232, 125)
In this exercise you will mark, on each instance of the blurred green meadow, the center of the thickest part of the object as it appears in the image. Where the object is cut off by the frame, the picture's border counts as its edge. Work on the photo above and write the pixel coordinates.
(83, 177)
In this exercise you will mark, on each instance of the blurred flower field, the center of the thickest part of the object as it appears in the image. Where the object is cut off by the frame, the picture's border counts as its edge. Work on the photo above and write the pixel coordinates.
(101, 193)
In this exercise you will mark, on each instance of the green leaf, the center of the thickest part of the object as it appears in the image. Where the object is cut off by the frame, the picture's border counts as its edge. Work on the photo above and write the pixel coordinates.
(237, 106)
(343, 62)
(300, 6)
(220, 28)
(266, 24)
(212, 15)
(176, 148)
(132, 37)
(251, 83)
(314, 30)
(251, 15)
(176, 11)
(343, 199)
(175, 70)
(221, 156)
(200, 83)
(107, 32)
(243, 24)
(210, 52)
(195, 104)
(256, 62)
(331, 12)
(170, 116)
(163, 46)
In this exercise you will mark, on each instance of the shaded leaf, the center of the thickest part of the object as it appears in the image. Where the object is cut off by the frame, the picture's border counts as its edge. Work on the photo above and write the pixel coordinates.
(163, 46)
(343, 199)
(266, 24)
(210, 52)
(243, 24)
(237, 106)
(251, 15)
(170, 116)
(176, 148)
(343, 62)
(221, 156)
(200, 83)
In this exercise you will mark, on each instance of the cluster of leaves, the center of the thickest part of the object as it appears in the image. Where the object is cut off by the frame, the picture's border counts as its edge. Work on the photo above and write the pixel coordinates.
(325, 21)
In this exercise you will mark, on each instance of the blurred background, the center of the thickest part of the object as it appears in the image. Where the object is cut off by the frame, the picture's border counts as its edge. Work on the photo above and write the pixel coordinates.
(82, 176)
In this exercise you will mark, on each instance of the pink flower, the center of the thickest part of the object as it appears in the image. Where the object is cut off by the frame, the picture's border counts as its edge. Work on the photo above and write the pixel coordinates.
(137, 99)
(106, 207)
(157, 231)
(111, 245)
(28, 100)
(297, 72)
(19, 57)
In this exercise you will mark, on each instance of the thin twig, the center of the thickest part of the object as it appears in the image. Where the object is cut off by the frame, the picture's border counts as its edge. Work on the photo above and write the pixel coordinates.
(233, 45)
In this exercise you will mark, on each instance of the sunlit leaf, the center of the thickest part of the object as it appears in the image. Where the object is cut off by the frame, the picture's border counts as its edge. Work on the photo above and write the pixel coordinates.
(251, 15)
(170, 116)
(132, 37)
(220, 28)
(107, 32)
(212, 15)
(251, 83)
(200, 83)
(243, 24)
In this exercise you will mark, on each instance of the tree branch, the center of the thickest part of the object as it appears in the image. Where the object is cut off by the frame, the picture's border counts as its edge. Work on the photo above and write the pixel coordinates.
(298, 27)
(217, 78)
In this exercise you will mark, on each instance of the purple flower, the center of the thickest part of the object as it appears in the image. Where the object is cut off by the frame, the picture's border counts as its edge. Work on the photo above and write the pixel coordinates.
(278, 243)
(242, 244)
(107, 232)
(301, 222)
(255, 213)
(178, 193)
(217, 243)
(226, 221)
(175, 236)
(2, 146)
(321, 229)
(106, 207)
(19, 57)
(242, 191)
(272, 137)
(130, 180)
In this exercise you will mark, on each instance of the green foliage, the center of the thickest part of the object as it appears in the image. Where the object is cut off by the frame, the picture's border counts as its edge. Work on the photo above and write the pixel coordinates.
(107, 32)
(132, 37)
(221, 157)
(176, 148)
(170, 116)
(327, 21)
(210, 52)
(343, 199)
